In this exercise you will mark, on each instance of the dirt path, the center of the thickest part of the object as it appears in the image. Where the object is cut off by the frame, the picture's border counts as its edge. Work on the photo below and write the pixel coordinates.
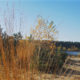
(71, 69)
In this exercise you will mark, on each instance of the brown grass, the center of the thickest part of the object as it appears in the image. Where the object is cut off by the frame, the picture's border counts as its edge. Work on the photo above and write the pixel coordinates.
(16, 64)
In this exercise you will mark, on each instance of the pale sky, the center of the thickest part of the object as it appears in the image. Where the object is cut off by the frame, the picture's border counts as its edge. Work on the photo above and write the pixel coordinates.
(64, 13)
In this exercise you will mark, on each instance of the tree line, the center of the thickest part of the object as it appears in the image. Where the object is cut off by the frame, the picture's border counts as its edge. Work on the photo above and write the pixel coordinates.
(67, 46)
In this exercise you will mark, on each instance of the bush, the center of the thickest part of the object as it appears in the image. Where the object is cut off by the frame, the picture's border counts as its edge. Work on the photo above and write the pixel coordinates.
(48, 60)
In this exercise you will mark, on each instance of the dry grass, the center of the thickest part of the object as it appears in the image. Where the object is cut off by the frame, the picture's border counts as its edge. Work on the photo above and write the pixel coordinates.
(16, 61)
(14, 67)
(17, 65)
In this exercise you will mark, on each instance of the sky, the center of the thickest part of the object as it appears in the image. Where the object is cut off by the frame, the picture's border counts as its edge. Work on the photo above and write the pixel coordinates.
(64, 13)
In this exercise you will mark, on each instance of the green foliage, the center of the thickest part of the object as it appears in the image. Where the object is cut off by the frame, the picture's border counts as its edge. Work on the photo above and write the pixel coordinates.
(68, 46)
(17, 37)
(47, 60)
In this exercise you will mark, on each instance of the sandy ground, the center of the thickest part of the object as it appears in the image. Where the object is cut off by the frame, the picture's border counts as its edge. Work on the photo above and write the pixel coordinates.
(70, 71)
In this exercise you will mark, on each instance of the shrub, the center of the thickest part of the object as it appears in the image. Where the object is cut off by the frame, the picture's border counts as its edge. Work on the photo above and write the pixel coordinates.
(48, 60)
